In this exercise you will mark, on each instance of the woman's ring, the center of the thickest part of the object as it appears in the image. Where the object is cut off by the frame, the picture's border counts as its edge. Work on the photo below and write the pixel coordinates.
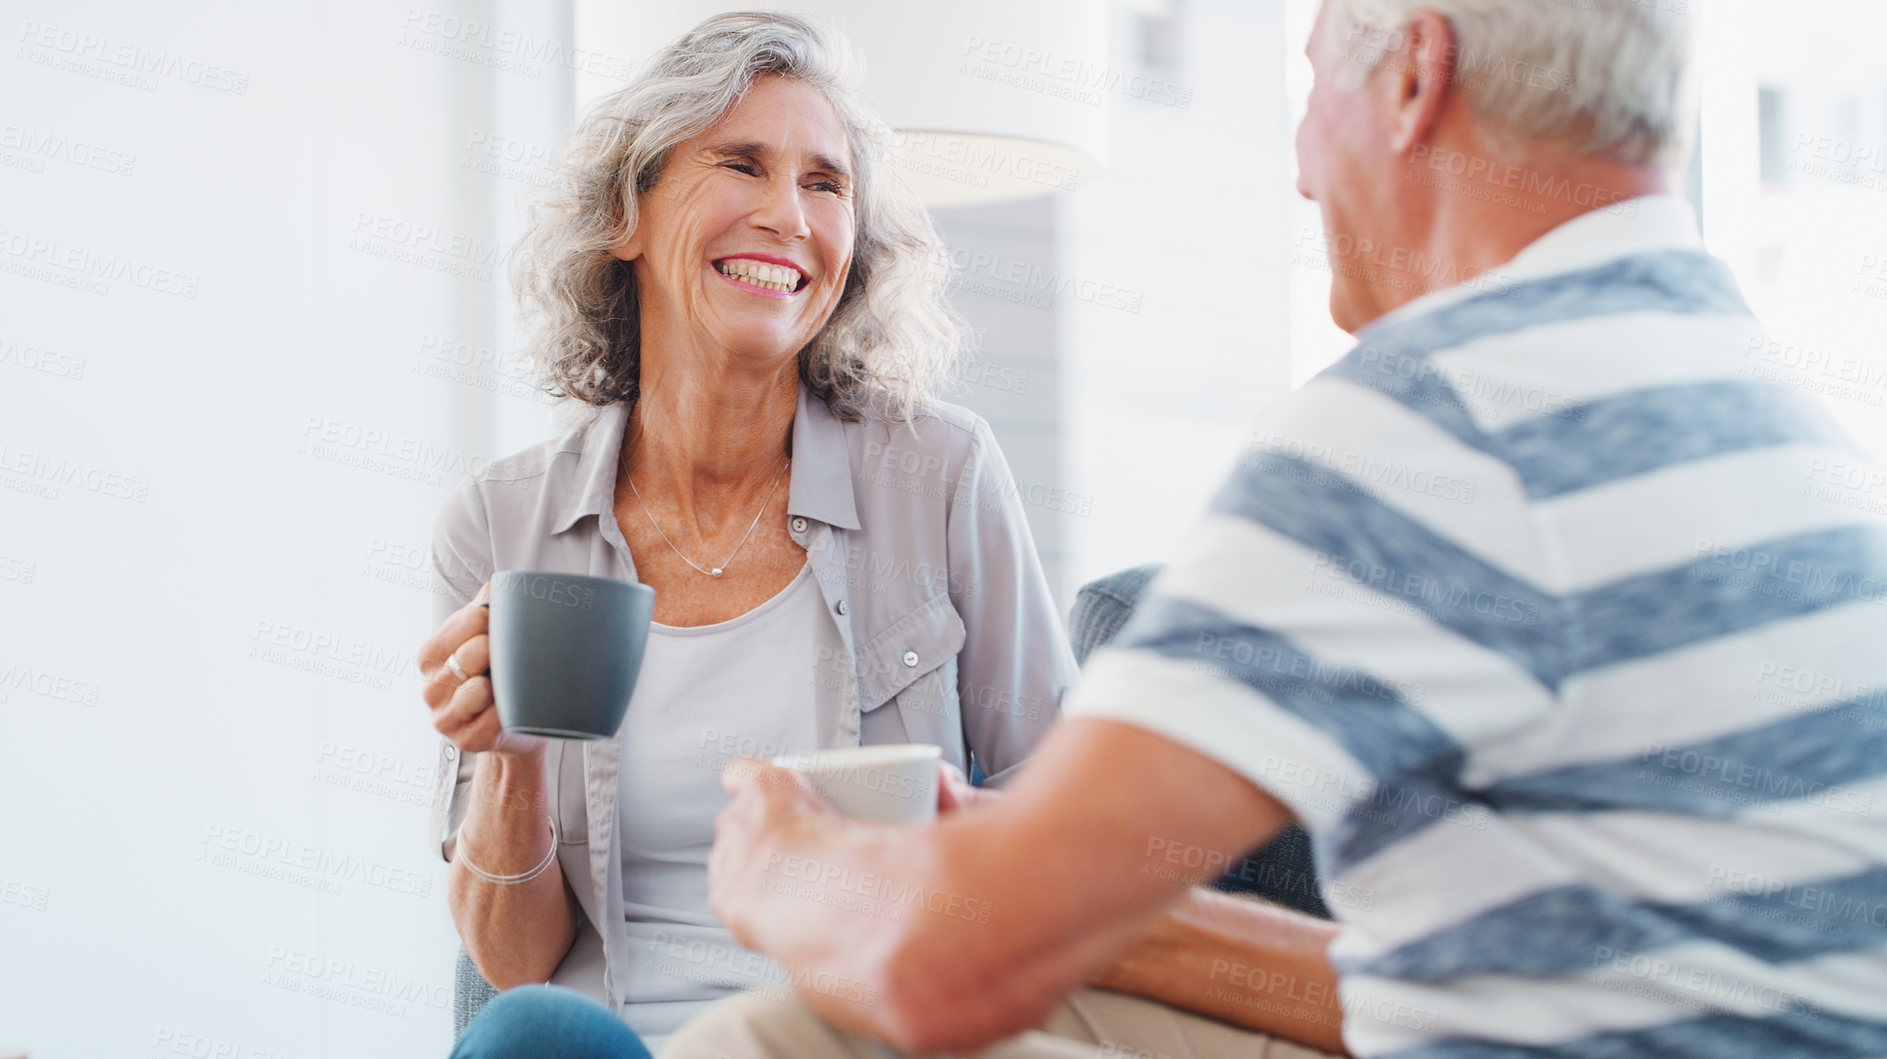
(452, 663)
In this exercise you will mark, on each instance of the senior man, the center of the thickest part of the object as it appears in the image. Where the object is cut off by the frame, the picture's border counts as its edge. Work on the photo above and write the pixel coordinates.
(1557, 631)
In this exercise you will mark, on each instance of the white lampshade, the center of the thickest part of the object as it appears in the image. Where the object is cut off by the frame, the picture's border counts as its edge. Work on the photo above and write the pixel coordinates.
(988, 99)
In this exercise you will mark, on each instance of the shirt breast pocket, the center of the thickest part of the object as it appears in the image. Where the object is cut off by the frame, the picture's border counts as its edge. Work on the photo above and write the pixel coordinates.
(914, 661)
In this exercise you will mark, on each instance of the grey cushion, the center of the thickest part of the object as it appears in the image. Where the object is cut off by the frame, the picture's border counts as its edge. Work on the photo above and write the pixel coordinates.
(470, 993)
(1103, 605)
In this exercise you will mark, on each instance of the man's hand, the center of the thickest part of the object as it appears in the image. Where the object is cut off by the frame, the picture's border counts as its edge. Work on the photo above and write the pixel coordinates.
(772, 811)
(1058, 881)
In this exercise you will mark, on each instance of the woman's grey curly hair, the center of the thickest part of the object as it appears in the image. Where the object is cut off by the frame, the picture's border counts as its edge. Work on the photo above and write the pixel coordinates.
(892, 339)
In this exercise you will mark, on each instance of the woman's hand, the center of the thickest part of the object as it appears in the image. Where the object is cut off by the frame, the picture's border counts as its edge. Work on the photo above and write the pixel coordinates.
(462, 710)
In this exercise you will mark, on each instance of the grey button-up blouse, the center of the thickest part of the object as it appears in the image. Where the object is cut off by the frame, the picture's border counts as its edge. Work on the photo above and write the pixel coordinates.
(917, 538)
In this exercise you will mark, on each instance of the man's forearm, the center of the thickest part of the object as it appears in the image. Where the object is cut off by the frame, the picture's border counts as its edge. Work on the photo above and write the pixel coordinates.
(1016, 902)
(1071, 871)
(1239, 961)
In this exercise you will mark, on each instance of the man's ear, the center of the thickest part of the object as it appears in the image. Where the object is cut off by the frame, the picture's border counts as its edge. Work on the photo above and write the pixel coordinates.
(1419, 79)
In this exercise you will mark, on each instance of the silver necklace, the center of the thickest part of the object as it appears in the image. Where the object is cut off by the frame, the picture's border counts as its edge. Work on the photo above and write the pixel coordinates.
(721, 569)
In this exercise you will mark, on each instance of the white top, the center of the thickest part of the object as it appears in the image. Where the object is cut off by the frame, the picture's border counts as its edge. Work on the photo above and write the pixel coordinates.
(761, 684)
(1555, 613)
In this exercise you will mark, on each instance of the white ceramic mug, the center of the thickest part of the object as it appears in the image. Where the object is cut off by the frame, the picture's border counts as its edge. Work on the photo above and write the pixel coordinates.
(892, 784)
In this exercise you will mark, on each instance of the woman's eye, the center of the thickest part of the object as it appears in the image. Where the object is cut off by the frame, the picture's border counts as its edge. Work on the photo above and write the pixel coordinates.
(827, 186)
(742, 167)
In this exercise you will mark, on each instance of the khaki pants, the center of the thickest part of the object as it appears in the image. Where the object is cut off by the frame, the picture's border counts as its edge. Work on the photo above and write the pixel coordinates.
(1091, 1023)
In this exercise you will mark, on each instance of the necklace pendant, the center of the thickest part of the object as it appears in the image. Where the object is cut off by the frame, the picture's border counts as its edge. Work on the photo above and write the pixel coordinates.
(717, 571)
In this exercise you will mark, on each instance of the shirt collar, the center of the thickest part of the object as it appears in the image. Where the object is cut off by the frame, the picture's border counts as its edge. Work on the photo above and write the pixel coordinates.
(822, 476)
(1634, 226)
(595, 486)
(822, 480)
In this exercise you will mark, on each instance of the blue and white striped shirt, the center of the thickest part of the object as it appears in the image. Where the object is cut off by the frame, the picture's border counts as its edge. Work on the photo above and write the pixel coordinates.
(1565, 636)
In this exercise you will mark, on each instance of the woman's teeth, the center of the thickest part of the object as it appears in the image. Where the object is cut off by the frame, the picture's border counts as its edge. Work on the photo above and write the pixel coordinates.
(764, 276)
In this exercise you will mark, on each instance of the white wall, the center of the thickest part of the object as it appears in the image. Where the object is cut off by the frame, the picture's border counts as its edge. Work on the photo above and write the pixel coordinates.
(1808, 238)
(219, 463)
(1161, 386)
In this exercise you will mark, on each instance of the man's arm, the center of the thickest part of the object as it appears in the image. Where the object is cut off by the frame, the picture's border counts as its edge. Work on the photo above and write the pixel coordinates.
(1239, 961)
(1006, 907)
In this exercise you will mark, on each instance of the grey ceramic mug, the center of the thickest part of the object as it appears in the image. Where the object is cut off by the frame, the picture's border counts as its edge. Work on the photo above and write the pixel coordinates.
(565, 651)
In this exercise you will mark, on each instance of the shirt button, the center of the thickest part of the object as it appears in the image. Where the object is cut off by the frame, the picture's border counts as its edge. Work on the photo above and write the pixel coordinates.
(799, 524)
(910, 658)
(451, 751)
(841, 606)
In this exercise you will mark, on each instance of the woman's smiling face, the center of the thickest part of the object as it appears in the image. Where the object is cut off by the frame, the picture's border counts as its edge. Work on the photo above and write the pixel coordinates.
(746, 240)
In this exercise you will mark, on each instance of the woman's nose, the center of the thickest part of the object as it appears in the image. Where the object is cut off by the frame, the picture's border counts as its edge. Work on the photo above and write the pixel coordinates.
(781, 211)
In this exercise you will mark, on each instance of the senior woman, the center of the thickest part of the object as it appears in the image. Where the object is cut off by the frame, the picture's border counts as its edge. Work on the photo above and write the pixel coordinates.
(750, 312)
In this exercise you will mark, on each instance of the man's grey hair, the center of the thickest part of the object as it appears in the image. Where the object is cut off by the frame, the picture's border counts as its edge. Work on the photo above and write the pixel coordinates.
(893, 337)
(1608, 78)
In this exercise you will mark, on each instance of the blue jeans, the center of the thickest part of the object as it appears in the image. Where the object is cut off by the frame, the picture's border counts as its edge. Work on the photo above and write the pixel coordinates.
(547, 1021)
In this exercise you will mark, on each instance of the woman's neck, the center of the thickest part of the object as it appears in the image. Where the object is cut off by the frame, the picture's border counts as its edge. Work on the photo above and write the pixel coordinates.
(705, 438)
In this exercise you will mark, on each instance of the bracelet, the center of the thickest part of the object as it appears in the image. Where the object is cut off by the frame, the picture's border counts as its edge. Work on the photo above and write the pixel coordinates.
(510, 880)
